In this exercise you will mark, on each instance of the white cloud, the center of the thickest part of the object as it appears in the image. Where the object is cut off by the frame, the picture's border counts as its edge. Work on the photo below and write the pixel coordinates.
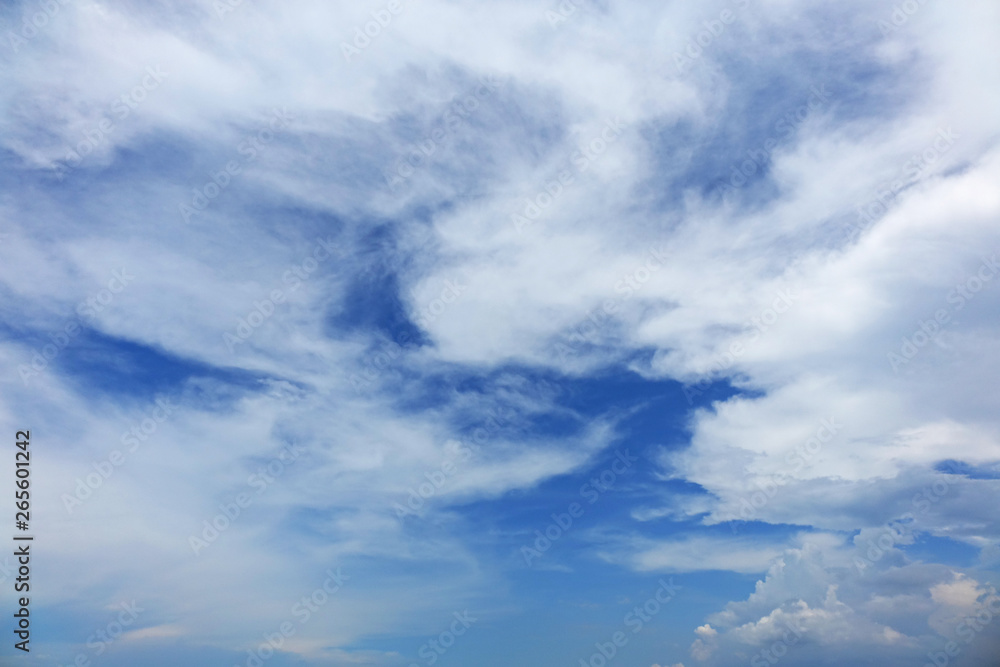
(725, 263)
(812, 606)
(695, 554)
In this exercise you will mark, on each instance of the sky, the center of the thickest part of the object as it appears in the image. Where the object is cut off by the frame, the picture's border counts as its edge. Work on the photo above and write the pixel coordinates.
(399, 333)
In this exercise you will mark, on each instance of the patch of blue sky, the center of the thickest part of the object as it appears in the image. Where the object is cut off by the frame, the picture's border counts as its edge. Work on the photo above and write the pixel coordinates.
(100, 364)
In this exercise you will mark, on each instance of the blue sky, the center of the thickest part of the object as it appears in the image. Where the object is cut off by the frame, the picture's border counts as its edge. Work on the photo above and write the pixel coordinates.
(444, 333)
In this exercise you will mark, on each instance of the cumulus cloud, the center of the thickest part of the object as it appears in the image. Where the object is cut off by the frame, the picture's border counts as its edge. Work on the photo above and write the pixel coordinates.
(803, 210)
(815, 608)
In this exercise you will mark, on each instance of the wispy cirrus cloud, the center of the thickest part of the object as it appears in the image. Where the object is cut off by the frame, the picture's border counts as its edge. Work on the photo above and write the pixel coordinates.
(646, 271)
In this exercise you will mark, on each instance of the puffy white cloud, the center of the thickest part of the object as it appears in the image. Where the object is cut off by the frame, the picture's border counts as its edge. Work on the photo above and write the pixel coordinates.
(635, 261)
(814, 608)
